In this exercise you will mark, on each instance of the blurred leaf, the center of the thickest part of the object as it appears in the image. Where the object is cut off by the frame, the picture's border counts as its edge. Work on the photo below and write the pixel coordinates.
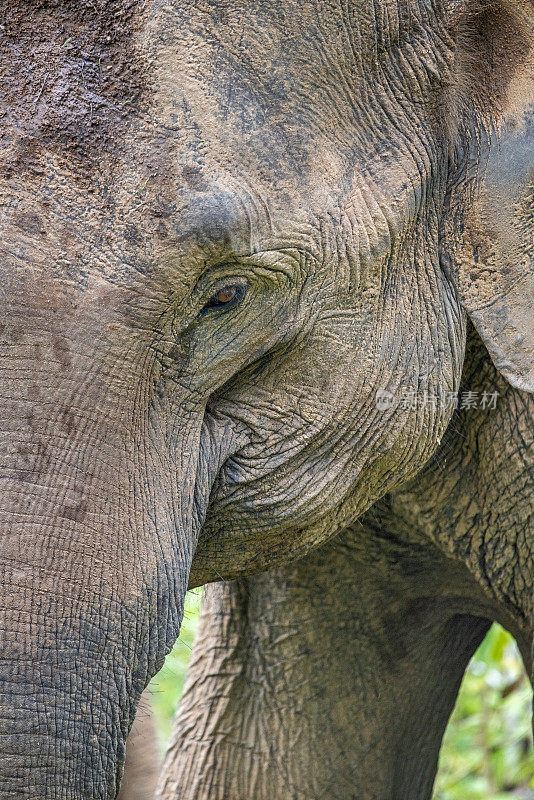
(487, 751)
(166, 687)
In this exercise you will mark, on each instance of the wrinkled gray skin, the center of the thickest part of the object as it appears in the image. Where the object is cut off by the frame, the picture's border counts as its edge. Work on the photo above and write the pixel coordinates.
(335, 677)
(320, 160)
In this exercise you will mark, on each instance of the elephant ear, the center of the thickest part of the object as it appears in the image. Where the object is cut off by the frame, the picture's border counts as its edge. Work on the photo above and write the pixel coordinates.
(492, 225)
(495, 264)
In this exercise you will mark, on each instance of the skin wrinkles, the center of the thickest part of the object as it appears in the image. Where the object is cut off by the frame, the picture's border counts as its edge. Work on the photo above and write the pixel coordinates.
(211, 756)
(479, 530)
(282, 625)
(266, 151)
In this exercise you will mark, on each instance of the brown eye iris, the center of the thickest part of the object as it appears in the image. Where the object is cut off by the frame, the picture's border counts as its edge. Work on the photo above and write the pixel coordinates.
(225, 296)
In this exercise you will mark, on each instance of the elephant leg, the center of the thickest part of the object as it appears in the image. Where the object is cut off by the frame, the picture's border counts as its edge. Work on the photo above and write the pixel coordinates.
(142, 763)
(332, 677)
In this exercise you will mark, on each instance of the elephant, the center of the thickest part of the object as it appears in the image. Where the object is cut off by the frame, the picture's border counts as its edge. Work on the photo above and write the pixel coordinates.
(266, 323)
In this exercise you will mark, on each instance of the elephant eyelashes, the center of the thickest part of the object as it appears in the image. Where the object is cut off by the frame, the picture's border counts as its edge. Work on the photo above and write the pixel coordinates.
(225, 297)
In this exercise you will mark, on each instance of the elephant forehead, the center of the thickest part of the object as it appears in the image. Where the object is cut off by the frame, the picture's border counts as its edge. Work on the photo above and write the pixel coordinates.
(271, 89)
(293, 30)
(280, 77)
(202, 129)
(284, 87)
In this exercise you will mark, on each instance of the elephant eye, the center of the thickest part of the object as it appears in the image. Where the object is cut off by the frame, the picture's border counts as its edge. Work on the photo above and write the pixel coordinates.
(226, 296)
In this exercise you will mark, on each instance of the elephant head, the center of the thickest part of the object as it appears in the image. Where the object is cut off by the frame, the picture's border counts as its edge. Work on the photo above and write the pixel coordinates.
(230, 235)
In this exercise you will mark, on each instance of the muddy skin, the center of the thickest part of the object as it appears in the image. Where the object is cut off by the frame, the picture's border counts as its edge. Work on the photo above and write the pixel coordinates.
(224, 229)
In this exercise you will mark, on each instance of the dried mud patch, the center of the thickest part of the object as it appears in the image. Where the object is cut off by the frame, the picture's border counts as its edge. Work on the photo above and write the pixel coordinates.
(72, 79)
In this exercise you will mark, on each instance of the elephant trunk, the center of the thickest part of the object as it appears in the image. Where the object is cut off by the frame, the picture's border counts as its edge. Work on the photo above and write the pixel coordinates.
(96, 543)
(61, 728)
(81, 635)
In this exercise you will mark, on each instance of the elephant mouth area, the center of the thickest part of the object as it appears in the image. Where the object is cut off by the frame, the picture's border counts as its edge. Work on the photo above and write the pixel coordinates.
(218, 445)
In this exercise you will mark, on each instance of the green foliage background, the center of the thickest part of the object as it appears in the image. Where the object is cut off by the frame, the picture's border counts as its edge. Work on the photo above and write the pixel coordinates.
(487, 751)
